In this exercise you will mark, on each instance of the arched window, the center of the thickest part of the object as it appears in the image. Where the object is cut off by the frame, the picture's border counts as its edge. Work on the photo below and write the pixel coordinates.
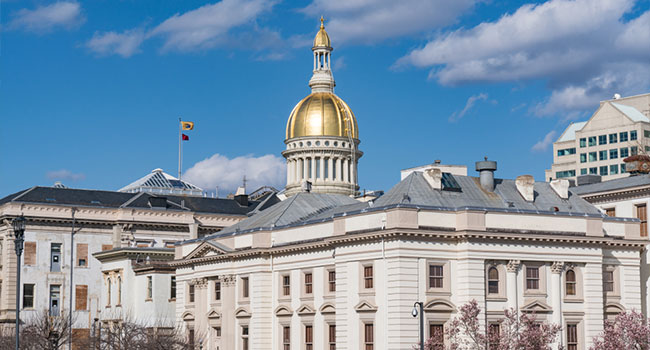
(108, 294)
(119, 290)
(493, 281)
(570, 279)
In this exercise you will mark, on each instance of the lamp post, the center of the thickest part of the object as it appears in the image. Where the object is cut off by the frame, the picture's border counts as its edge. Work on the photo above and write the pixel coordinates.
(414, 313)
(19, 233)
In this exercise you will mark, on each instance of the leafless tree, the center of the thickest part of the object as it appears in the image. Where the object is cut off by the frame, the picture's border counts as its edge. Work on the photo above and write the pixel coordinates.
(127, 333)
(39, 332)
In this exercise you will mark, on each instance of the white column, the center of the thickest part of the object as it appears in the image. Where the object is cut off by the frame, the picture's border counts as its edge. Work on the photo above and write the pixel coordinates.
(346, 177)
(556, 297)
(321, 169)
(353, 172)
(299, 170)
(511, 284)
(330, 169)
(315, 61)
(312, 176)
(339, 169)
(305, 170)
(288, 171)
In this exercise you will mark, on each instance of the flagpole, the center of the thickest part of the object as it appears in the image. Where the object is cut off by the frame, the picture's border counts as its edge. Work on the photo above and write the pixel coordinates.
(180, 148)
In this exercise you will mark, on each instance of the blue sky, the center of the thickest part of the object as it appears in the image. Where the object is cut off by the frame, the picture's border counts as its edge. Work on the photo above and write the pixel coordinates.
(91, 92)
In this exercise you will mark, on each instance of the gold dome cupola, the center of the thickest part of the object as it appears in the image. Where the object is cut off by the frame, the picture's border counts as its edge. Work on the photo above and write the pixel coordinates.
(322, 135)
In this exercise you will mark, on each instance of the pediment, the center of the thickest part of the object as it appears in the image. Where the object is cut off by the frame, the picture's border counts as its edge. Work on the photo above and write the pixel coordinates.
(206, 249)
(327, 308)
(283, 310)
(537, 307)
(242, 312)
(439, 305)
(306, 310)
(187, 316)
(365, 306)
(614, 308)
(213, 314)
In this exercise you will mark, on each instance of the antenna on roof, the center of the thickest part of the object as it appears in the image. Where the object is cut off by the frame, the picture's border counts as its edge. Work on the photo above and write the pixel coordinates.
(244, 181)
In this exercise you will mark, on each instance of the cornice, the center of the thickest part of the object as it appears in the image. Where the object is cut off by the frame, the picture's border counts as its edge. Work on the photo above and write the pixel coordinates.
(616, 195)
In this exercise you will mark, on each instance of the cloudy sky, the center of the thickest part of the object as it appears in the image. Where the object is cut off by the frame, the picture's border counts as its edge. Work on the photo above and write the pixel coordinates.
(91, 92)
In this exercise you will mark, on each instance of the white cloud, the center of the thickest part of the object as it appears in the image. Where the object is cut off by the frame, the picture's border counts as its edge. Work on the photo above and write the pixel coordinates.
(339, 63)
(544, 143)
(208, 25)
(368, 21)
(124, 44)
(471, 101)
(65, 14)
(227, 174)
(585, 49)
(64, 174)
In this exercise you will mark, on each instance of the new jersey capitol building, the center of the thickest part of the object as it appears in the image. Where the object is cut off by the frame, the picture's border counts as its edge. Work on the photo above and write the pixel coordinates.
(322, 270)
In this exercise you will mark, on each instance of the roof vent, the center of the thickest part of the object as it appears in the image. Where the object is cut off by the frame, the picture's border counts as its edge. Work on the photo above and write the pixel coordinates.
(158, 202)
(242, 199)
(486, 168)
(525, 185)
(306, 186)
(561, 187)
(588, 179)
(617, 96)
(157, 170)
(434, 178)
(437, 161)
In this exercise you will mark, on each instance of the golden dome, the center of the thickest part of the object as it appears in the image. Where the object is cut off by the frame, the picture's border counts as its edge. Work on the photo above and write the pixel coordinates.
(321, 114)
(322, 39)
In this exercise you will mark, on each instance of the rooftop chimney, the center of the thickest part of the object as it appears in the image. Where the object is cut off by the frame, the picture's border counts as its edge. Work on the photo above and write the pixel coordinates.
(242, 199)
(561, 187)
(525, 185)
(486, 168)
(306, 186)
(434, 178)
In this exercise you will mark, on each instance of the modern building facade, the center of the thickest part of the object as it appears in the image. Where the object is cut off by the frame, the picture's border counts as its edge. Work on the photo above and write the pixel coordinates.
(619, 128)
(103, 222)
(322, 138)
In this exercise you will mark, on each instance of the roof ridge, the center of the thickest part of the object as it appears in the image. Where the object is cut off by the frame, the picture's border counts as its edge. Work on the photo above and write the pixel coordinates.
(24, 193)
(127, 203)
(292, 199)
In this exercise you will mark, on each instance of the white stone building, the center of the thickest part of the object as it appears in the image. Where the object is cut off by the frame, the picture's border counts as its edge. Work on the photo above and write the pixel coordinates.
(619, 128)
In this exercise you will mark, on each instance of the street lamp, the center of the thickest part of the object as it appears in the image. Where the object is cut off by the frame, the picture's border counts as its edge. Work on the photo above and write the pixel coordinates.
(19, 233)
(414, 313)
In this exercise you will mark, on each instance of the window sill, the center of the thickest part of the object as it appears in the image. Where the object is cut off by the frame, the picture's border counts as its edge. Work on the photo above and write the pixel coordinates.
(496, 298)
(329, 296)
(367, 292)
(438, 292)
(148, 300)
(171, 300)
(308, 297)
(535, 294)
(284, 298)
(573, 300)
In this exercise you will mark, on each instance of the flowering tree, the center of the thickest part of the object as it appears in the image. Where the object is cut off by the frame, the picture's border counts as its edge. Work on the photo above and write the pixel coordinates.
(630, 330)
(515, 332)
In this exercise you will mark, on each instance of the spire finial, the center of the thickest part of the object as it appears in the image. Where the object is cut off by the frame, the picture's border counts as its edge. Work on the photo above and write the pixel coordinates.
(322, 20)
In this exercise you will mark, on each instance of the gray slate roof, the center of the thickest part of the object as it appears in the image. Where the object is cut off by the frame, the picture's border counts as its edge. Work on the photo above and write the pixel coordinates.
(112, 199)
(613, 185)
(413, 191)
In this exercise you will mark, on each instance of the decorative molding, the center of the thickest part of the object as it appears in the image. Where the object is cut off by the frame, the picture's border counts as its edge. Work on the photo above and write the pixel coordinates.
(199, 283)
(439, 305)
(537, 306)
(557, 267)
(365, 306)
(242, 312)
(513, 266)
(213, 314)
(283, 310)
(187, 316)
(305, 310)
(327, 308)
(228, 280)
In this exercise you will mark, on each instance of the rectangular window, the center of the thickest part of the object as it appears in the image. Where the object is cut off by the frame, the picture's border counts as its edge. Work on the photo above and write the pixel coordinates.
(331, 280)
(566, 173)
(331, 337)
(623, 136)
(593, 171)
(624, 152)
(55, 257)
(611, 212)
(566, 152)
(309, 338)
(437, 336)
(633, 136)
(149, 287)
(634, 150)
(602, 155)
(602, 139)
(608, 281)
(308, 283)
(191, 293)
(583, 171)
(30, 253)
(647, 149)
(494, 333)
(613, 138)
(583, 142)
(593, 156)
(172, 288)
(613, 153)
(646, 133)
(583, 157)
(613, 169)
(55, 300)
(592, 140)
(217, 290)
(368, 336)
(81, 297)
(572, 337)
(532, 278)
(82, 254)
(244, 287)
(622, 168)
(286, 285)
(642, 215)
(244, 338)
(28, 296)
(603, 170)
(367, 277)
(286, 338)
(217, 332)
(107, 247)
(436, 276)
(190, 336)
